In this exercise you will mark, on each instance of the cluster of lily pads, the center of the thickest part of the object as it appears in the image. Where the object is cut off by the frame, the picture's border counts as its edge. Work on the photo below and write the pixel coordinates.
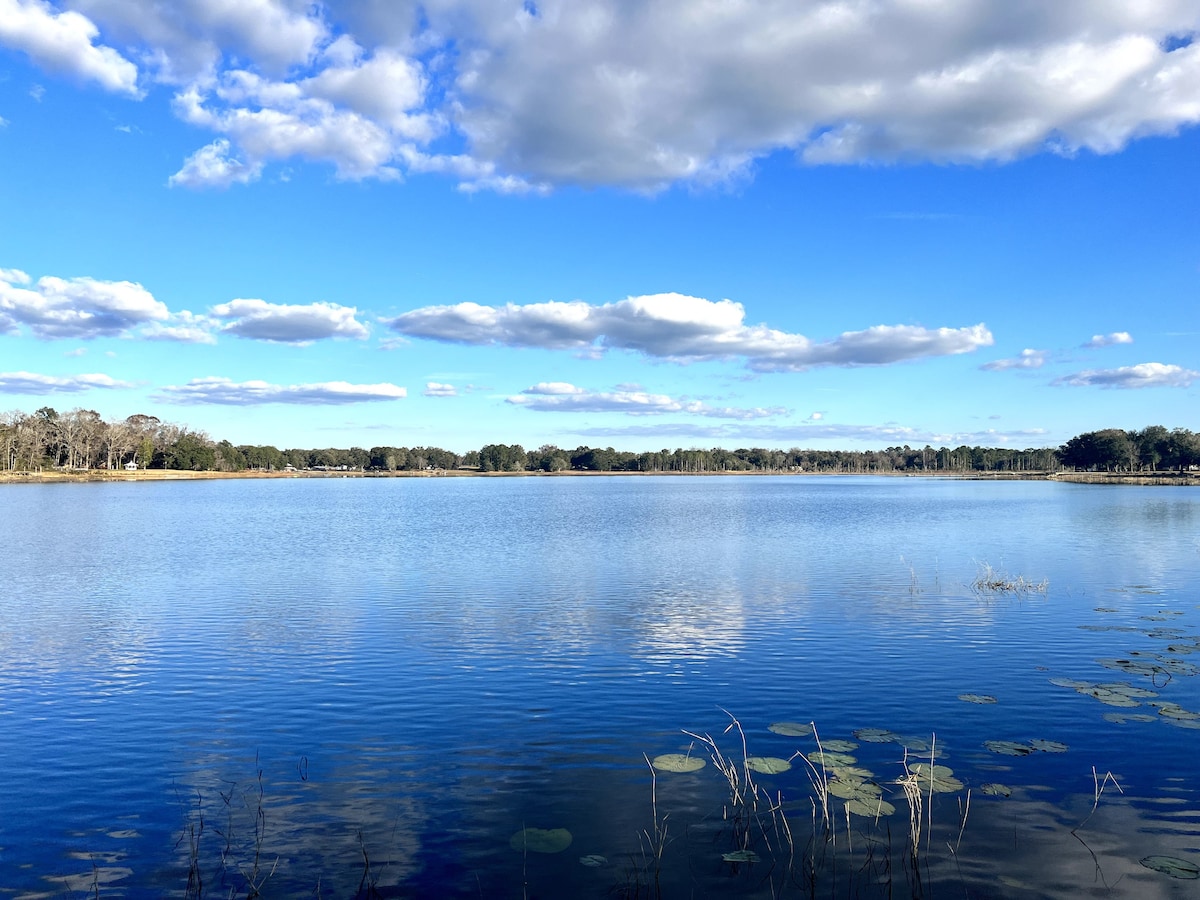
(1159, 667)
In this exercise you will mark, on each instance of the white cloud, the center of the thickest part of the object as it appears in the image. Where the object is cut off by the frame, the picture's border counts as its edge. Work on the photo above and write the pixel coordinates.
(681, 328)
(559, 396)
(805, 435)
(223, 391)
(652, 93)
(74, 307)
(287, 324)
(186, 39)
(31, 383)
(184, 327)
(509, 96)
(64, 42)
(1028, 359)
(78, 351)
(212, 166)
(437, 389)
(1143, 375)
(1108, 340)
(279, 120)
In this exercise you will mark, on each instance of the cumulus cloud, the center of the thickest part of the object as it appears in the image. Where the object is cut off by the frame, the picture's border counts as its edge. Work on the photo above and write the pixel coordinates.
(1028, 359)
(183, 327)
(225, 392)
(648, 94)
(212, 166)
(437, 389)
(511, 96)
(286, 324)
(74, 307)
(185, 40)
(680, 328)
(1108, 340)
(559, 396)
(65, 42)
(31, 383)
(1143, 375)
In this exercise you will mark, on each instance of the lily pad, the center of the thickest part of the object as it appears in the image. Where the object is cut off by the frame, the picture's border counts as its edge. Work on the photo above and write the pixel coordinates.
(1133, 666)
(977, 698)
(1049, 746)
(1174, 711)
(677, 762)
(1173, 866)
(737, 856)
(1008, 748)
(830, 759)
(541, 840)
(992, 789)
(938, 779)
(767, 765)
(791, 729)
(838, 746)
(851, 773)
(870, 809)
(875, 735)
(1122, 718)
(1070, 683)
(914, 743)
(867, 791)
(593, 861)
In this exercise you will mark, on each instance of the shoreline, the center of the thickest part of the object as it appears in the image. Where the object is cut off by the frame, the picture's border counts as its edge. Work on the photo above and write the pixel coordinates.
(1190, 479)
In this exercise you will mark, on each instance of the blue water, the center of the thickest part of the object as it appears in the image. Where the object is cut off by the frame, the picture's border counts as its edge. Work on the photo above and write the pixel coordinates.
(376, 683)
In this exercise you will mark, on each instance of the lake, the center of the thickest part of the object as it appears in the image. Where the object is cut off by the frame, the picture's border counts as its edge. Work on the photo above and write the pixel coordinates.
(426, 686)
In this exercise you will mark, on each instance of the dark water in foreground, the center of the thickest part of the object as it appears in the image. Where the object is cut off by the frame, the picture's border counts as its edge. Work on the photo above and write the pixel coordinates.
(375, 684)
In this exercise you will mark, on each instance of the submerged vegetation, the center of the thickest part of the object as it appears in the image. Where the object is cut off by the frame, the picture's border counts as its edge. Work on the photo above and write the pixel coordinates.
(81, 440)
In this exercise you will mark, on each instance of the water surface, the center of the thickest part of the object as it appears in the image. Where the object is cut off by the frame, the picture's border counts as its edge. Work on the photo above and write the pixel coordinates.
(392, 677)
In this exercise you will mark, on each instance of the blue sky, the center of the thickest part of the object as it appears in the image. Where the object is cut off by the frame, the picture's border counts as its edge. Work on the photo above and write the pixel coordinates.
(645, 225)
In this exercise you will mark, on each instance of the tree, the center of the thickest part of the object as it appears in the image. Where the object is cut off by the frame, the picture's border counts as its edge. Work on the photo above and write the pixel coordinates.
(191, 452)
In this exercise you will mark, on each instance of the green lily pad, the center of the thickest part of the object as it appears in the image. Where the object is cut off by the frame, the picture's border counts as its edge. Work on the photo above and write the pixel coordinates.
(541, 840)
(767, 765)
(992, 789)
(866, 791)
(938, 779)
(791, 729)
(1070, 683)
(1174, 711)
(1184, 723)
(870, 809)
(1122, 687)
(851, 773)
(838, 746)
(1122, 718)
(677, 762)
(1109, 698)
(1173, 866)
(830, 759)
(737, 856)
(1049, 746)
(875, 735)
(1133, 666)
(593, 861)
(977, 698)
(1008, 748)
(914, 743)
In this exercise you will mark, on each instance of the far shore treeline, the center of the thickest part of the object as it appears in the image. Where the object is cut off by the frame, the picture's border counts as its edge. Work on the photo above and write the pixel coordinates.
(81, 440)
